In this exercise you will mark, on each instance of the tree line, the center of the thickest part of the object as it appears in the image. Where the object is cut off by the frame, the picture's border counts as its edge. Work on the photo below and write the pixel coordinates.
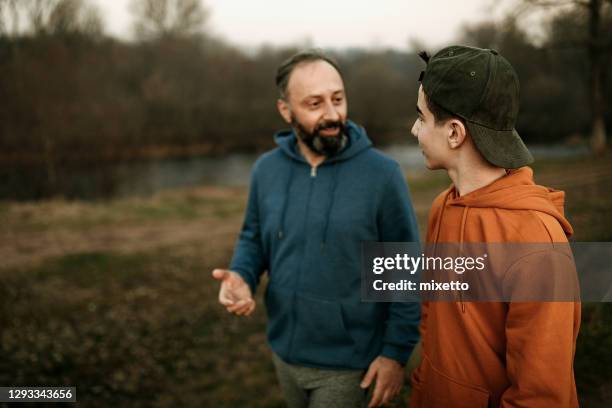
(70, 91)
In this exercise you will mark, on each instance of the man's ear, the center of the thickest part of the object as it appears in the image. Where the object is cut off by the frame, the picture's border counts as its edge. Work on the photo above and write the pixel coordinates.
(284, 109)
(457, 133)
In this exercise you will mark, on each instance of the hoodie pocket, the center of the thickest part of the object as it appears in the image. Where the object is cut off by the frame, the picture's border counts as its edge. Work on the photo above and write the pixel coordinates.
(433, 389)
(279, 304)
(320, 334)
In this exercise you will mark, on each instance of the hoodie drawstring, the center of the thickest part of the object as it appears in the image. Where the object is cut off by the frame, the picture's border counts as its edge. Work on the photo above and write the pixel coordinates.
(332, 193)
(436, 235)
(461, 232)
(285, 202)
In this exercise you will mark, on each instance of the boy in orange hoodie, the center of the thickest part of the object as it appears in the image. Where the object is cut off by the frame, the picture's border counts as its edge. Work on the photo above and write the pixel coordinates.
(488, 354)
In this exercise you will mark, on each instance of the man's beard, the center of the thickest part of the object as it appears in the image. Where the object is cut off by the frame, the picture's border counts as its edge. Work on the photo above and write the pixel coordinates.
(325, 145)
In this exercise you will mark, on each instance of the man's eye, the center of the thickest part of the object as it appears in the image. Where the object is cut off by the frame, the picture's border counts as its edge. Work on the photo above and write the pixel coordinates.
(314, 104)
(338, 100)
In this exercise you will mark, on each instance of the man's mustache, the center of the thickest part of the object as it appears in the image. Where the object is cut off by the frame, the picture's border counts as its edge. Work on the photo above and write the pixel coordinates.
(329, 125)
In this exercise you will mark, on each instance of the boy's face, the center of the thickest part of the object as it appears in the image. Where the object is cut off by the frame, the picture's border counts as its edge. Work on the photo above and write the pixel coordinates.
(433, 138)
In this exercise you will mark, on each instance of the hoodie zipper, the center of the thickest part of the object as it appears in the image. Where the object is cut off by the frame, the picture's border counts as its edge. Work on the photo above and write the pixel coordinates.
(313, 174)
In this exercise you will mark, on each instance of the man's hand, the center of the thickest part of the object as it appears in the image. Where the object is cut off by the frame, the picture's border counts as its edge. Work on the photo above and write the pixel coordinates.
(234, 293)
(389, 376)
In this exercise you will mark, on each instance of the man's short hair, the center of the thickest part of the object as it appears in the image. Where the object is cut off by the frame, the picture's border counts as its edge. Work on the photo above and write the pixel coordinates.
(286, 68)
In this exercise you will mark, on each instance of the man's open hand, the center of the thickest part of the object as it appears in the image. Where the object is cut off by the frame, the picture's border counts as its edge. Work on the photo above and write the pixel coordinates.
(389, 377)
(234, 293)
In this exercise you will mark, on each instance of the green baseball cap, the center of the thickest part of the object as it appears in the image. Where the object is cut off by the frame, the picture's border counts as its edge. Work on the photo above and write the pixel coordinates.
(481, 87)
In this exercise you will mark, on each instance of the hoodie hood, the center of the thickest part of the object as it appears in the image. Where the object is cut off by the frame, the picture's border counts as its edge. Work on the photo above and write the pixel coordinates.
(358, 141)
(516, 191)
(474, 216)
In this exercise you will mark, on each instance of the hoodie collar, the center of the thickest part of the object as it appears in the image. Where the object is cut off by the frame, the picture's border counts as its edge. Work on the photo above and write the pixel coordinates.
(515, 191)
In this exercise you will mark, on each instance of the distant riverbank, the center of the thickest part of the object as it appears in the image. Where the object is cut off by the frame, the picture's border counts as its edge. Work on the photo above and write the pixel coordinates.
(144, 177)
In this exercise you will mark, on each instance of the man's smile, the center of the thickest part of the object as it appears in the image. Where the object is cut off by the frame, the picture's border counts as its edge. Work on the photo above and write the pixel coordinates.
(332, 131)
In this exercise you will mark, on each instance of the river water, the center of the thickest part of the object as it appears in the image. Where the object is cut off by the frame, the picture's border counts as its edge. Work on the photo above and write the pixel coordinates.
(146, 177)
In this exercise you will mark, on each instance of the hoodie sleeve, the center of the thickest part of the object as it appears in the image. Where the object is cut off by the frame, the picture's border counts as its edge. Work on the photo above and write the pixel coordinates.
(397, 223)
(248, 259)
(541, 336)
(540, 353)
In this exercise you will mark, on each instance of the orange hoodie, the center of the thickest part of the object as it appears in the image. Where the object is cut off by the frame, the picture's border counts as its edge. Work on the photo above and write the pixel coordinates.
(494, 354)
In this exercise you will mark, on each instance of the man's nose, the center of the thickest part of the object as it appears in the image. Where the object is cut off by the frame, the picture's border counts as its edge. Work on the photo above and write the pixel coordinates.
(331, 113)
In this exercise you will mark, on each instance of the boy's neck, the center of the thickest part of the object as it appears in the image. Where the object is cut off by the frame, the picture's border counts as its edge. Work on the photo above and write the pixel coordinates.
(468, 176)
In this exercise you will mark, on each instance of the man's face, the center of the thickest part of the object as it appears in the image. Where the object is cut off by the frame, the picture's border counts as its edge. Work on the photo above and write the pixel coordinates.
(316, 106)
(432, 138)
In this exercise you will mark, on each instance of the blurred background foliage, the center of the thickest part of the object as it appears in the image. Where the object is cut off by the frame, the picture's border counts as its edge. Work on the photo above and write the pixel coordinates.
(71, 92)
(114, 295)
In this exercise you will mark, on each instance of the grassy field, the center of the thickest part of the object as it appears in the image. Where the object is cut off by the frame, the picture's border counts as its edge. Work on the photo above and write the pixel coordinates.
(116, 297)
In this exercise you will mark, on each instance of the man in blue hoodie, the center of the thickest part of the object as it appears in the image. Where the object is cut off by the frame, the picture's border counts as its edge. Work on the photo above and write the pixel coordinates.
(313, 200)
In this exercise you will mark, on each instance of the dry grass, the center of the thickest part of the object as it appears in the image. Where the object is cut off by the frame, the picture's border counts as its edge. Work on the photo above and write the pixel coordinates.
(116, 297)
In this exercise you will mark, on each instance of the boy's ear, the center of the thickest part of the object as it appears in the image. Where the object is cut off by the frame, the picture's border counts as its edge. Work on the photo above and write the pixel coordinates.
(284, 109)
(457, 133)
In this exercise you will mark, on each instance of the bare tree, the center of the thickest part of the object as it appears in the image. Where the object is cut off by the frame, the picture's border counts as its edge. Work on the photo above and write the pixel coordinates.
(38, 14)
(3, 19)
(74, 16)
(3, 23)
(64, 17)
(50, 17)
(9, 17)
(162, 18)
(598, 50)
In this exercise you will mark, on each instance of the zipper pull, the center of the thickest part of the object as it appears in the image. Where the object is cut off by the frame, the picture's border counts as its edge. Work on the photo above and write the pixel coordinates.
(313, 172)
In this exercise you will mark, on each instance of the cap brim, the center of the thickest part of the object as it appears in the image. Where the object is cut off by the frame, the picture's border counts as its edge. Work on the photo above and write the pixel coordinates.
(502, 148)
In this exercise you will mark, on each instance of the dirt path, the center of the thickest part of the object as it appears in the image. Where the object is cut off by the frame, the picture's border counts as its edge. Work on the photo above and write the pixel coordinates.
(27, 248)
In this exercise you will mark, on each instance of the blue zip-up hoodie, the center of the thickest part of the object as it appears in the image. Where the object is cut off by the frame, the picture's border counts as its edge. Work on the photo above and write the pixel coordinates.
(305, 227)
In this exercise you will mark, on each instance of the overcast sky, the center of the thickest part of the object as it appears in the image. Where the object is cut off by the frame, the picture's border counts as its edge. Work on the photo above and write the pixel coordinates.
(327, 23)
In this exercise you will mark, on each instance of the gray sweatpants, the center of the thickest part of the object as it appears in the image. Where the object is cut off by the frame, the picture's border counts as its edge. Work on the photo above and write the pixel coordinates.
(306, 387)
